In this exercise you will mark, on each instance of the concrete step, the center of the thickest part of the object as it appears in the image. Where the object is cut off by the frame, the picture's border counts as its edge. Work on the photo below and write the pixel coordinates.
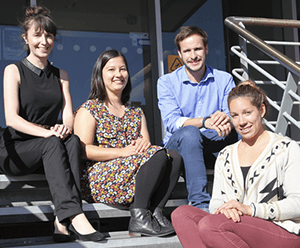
(32, 190)
(32, 226)
(115, 239)
(23, 191)
(34, 181)
(23, 182)
(37, 221)
(44, 213)
(26, 213)
(26, 217)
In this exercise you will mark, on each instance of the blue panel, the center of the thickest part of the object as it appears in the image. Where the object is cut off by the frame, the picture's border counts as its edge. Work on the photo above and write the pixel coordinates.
(209, 18)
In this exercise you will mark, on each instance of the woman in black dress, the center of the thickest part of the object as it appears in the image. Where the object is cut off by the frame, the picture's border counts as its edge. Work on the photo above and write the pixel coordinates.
(35, 92)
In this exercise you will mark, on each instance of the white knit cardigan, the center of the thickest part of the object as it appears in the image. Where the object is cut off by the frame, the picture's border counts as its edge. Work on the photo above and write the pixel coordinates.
(272, 183)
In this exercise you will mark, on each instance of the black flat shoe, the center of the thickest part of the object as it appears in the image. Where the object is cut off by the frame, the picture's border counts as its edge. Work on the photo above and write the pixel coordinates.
(95, 236)
(62, 238)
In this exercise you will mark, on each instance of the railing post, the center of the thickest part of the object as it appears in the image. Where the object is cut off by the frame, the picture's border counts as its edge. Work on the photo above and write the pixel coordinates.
(286, 103)
(243, 46)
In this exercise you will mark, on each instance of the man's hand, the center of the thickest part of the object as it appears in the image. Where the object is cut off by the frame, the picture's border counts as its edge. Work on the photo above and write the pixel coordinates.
(220, 122)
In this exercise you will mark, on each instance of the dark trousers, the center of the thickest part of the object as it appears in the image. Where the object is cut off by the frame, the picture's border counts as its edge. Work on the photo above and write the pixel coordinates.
(61, 162)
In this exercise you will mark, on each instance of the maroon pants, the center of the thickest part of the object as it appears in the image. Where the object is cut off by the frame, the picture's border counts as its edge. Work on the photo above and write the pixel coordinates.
(197, 228)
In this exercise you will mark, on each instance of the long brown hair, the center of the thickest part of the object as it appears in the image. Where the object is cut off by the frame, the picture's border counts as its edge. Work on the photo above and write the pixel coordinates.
(98, 90)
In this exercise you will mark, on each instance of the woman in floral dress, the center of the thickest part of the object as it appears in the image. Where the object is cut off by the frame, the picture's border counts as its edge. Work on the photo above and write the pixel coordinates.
(122, 167)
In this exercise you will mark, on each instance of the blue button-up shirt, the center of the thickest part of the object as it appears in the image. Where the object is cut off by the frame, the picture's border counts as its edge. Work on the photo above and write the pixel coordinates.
(180, 99)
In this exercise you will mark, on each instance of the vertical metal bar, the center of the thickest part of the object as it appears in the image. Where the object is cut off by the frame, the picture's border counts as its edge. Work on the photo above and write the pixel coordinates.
(160, 59)
(156, 68)
(295, 30)
(243, 45)
(32, 3)
(286, 103)
(295, 132)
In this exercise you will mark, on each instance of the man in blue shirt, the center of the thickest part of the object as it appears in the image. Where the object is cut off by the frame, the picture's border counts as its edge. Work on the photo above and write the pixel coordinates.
(193, 105)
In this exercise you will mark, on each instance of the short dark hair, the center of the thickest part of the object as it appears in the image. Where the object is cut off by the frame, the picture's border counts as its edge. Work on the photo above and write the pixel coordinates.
(98, 90)
(187, 31)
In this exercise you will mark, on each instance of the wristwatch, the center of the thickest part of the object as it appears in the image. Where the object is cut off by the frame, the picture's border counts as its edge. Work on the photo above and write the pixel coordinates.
(253, 208)
(203, 121)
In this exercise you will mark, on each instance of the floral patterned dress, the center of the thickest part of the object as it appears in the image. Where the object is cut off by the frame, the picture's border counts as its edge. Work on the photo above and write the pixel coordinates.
(113, 182)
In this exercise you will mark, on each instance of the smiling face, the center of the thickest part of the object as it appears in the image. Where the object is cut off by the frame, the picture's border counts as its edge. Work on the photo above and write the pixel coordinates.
(40, 42)
(193, 54)
(247, 118)
(115, 75)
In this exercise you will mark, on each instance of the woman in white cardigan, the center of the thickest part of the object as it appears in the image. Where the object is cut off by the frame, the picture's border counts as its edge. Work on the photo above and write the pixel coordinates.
(256, 193)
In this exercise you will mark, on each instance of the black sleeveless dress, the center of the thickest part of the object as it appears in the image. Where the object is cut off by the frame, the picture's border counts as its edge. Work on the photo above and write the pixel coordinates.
(40, 98)
(40, 102)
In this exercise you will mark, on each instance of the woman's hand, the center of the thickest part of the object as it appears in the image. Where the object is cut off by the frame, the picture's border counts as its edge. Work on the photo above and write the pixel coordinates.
(234, 209)
(141, 145)
(128, 151)
(231, 213)
(61, 131)
(136, 147)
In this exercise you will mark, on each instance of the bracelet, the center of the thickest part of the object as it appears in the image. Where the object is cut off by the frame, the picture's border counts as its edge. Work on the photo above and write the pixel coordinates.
(203, 121)
(69, 128)
(44, 126)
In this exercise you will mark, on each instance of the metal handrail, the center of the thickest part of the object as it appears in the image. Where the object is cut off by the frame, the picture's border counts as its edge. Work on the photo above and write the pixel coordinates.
(232, 23)
(290, 98)
(258, 68)
(265, 73)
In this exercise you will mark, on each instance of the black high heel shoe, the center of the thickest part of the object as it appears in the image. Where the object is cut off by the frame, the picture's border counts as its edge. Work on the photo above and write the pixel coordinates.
(62, 238)
(95, 236)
